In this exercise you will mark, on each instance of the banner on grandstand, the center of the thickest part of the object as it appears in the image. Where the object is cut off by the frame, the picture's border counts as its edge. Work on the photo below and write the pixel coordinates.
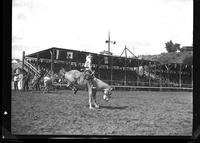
(69, 55)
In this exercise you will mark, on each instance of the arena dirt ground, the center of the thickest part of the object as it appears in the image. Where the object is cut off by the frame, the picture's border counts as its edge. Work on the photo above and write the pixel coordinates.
(127, 113)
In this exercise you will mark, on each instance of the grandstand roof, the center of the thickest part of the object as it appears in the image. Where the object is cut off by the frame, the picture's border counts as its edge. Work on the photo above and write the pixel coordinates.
(79, 56)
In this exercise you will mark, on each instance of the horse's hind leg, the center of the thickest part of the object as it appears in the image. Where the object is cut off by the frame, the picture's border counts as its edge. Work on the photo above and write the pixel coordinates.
(94, 99)
(75, 89)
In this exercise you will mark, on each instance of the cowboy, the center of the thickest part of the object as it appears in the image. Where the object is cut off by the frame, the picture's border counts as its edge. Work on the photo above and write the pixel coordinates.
(88, 67)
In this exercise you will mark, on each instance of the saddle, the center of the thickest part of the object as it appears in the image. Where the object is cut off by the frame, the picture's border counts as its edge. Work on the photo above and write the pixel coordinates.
(88, 75)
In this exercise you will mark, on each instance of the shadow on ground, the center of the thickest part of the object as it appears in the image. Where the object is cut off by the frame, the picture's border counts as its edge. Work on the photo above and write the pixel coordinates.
(113, 107)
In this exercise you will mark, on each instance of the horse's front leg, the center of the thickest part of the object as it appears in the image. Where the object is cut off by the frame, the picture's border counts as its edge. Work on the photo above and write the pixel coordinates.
(94, 99)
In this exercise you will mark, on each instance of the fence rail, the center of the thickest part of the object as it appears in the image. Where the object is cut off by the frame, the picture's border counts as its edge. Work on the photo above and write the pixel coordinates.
(151, 87)
(140, 87)
(148, 84)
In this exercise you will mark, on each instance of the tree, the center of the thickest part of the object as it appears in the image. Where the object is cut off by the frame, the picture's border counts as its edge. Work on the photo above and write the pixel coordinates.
(171, 47)
(188, 60)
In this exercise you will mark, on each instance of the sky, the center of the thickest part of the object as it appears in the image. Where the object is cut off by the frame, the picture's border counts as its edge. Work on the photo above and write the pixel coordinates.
(144, 26)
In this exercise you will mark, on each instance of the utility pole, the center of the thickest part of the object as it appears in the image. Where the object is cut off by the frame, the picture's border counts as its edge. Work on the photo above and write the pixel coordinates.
(111, 65)
(109, 41)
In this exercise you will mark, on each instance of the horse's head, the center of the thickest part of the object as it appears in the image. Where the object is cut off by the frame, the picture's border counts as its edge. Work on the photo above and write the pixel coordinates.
(107, 94)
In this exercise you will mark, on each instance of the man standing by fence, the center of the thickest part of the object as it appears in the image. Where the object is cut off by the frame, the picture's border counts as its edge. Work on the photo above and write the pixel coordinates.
(16, 82)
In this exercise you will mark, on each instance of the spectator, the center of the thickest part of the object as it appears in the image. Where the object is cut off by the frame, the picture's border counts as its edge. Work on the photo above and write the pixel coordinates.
(26, 79)
(16, 82)
(17, 71)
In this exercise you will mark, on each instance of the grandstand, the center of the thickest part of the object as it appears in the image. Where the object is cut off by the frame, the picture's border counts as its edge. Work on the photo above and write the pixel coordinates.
(115, 70)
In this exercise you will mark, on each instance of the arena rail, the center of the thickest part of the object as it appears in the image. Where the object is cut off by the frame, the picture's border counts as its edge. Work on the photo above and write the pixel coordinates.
(130, 88)
(152, 88)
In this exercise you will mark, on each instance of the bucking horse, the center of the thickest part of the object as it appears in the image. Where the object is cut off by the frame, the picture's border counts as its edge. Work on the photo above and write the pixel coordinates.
(79, 80)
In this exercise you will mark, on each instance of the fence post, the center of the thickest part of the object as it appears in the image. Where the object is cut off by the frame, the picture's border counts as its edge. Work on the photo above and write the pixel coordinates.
(111, 66)
(149, 74)
(37, 62)
(125, 64)
(155, 79)
(180, 75)
(125, 76)
(138, 72)
(192, 75)
(168, 76)
(23, 56)
(98, 66)
(52, 61)
(160, 77)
